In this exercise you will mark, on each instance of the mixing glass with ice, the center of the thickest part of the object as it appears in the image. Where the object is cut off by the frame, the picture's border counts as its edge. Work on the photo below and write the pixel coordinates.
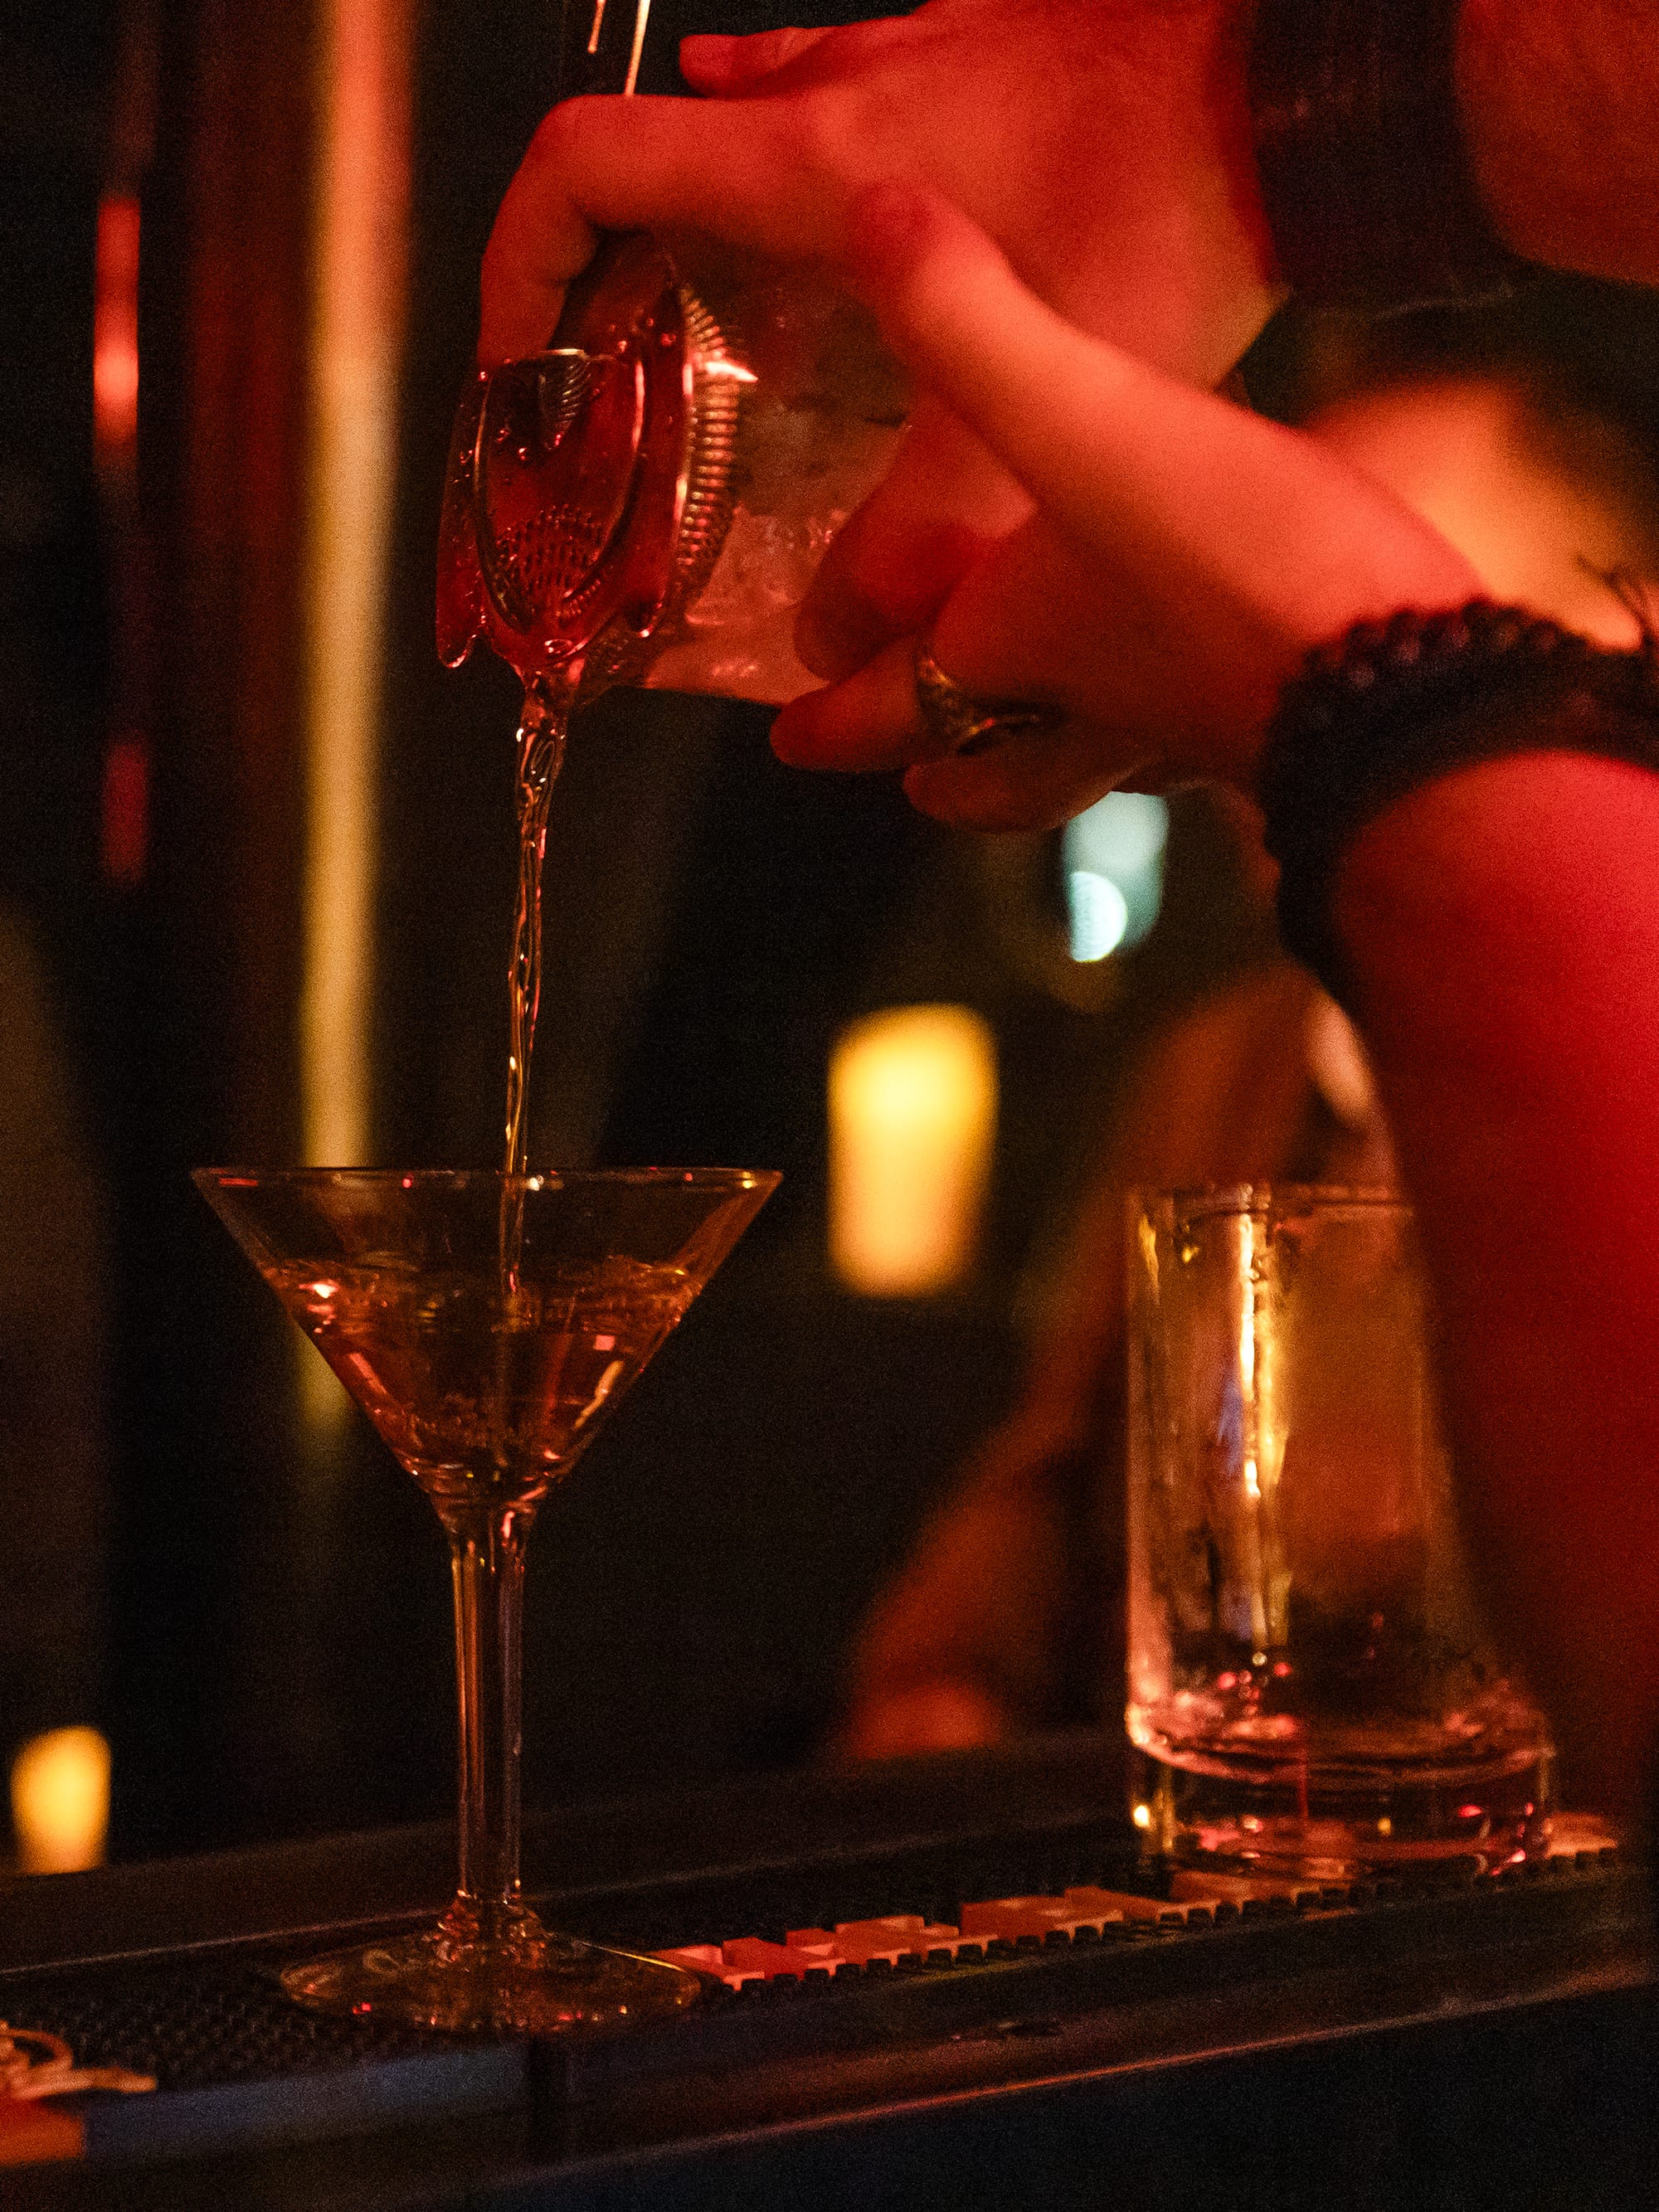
(647, 501)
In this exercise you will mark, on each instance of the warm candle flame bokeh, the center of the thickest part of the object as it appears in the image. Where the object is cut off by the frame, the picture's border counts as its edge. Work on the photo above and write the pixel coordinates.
(60, 1801)
(913, 1105)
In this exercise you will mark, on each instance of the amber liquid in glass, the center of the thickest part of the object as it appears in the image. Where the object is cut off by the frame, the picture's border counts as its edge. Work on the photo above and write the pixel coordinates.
(487, 1394)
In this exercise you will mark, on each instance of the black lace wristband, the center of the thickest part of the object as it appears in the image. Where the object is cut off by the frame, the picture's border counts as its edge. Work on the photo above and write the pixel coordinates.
(1365, 181)
(1394, 705)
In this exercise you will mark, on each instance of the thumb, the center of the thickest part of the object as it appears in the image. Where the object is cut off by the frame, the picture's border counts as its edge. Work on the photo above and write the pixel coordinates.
(721, 64)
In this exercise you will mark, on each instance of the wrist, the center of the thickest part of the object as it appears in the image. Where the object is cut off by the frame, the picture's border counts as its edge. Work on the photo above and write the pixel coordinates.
(1392, 707)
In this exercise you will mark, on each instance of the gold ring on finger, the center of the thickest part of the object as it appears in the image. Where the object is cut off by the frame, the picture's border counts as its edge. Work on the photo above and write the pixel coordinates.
(963, 724)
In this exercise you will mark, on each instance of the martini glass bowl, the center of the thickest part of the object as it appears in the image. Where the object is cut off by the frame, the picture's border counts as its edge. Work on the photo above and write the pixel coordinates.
(488, 1325)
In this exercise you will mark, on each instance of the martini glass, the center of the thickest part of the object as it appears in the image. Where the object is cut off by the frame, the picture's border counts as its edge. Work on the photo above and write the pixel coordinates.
(488, 1325)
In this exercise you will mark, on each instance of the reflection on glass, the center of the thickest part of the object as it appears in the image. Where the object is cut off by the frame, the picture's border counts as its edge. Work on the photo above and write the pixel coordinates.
(487, 1378)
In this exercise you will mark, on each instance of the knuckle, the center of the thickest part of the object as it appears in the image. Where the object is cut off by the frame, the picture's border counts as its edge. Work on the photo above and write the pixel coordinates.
(819, 133)
(770, 51)
(555, 148)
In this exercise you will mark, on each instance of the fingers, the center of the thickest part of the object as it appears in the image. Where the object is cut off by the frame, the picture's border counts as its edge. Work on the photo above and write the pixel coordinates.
(1032, 385)
(620, 164)
(1029, 781)
(1102, 443)
(1021, 622)
(870, 721)
(718, 64)
(539, 242)
(770, 174)
(1194, 512)
(1018, 626)
(890, 568)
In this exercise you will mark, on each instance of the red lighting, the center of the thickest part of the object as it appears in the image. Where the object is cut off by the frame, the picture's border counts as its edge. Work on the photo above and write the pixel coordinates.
(125, 823)
(115, 330)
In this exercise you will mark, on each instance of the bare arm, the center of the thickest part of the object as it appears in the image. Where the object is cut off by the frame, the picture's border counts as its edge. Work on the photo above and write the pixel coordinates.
(1502, 923)
(1105, 145)
(1104, 142)
(1503, 931)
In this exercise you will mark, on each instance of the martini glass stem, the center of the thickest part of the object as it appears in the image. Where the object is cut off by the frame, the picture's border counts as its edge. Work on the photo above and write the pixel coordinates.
(487, 1555)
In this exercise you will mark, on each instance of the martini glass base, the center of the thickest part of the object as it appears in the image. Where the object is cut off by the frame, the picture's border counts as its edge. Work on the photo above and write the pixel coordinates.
(488, 1325)
(533, 1984)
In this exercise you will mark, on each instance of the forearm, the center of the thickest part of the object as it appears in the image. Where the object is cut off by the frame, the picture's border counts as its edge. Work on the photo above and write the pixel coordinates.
(1503, 936)
(1560, 107)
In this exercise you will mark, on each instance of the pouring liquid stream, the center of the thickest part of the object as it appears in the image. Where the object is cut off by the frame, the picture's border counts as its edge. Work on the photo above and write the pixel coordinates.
(540, 474)
(541, 732)
(544, 726)
(548, 697)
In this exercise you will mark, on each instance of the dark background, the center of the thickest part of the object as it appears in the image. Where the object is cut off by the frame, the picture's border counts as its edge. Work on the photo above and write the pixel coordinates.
(275, 1654)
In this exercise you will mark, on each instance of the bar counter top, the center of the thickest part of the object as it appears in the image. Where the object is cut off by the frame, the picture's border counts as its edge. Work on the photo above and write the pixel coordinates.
(1461, 2038)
